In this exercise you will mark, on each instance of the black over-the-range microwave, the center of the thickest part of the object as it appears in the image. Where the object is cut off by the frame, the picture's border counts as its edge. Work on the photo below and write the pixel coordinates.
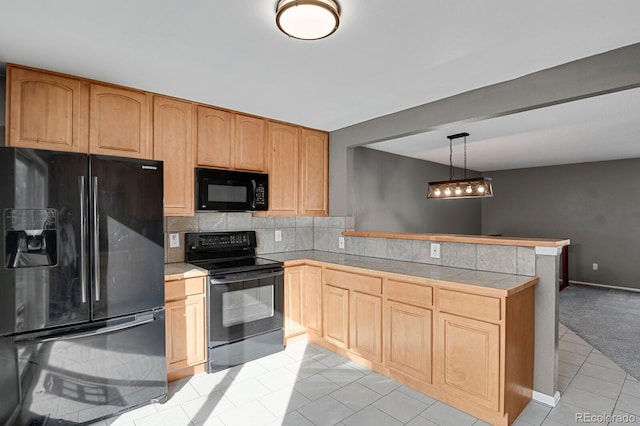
(227, 190)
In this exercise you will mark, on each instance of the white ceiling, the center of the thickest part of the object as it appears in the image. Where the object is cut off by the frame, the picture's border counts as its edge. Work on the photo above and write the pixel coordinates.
(601, 128)
(385, 57)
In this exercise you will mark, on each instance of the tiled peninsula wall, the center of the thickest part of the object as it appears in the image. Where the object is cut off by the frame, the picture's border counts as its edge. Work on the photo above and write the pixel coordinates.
(482, 257)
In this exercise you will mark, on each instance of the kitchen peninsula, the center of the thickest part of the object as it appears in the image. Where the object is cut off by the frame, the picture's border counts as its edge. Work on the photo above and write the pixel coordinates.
(464, 337)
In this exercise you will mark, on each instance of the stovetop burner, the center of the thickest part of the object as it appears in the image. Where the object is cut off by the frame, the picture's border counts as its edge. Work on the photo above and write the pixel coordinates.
(225, 252)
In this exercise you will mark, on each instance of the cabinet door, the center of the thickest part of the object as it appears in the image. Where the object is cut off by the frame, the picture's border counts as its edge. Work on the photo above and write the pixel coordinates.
(283, 169)
(312, 299)
(119, 122)
(408, 343)
(215, 138)
(314, 177)
(336, 316)
(469, 358)
(250, 143)
(46, 111)
(185, 332)
(293, 282)
(173, 144)
(366, 326)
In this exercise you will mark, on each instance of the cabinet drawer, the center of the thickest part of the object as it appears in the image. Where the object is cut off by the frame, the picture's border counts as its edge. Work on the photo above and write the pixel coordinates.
(470, 305)
(180, 289)
(353, 281)
(413, 294)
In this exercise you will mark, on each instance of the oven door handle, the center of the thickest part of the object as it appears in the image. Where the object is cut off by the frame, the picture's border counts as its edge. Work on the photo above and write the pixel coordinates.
(245, 276)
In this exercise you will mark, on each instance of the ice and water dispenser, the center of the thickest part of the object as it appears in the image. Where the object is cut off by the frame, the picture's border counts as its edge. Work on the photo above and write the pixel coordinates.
(30, 237)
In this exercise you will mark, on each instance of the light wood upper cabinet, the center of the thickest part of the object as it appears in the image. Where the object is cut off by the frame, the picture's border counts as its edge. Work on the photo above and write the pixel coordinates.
(314, 182)
(46, 111)
(298, 167)
(173, 143)
(215, 138)
(283, 169)
(119, 122)
(231, 141)
(250, 143)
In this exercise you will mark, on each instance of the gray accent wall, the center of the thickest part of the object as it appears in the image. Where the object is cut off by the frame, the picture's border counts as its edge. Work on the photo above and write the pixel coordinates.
(596, 205)
(595, 75)
(390, 195)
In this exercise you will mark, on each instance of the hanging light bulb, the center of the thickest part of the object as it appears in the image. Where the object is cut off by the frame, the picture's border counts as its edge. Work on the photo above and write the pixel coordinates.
(447, 191)
(468, 189)
(458, 190)
(481, 189)
(437, 192)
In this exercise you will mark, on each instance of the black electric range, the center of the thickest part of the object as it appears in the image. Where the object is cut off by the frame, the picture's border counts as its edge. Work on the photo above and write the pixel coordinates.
(245, 297)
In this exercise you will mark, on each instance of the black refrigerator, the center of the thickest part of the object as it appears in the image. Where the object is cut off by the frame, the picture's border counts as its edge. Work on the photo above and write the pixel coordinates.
(82, 327)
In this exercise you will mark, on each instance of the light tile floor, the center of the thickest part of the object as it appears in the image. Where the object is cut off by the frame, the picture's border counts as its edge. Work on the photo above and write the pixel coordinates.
(308, 385)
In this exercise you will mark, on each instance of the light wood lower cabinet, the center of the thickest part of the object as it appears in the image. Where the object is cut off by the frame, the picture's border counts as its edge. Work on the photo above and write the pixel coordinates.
(303, 300)
(469, 356)
(469, 346)
(312, 299)
(408, 343)
(185, 327)
(365, 325)
(293, 278)
(336, 316)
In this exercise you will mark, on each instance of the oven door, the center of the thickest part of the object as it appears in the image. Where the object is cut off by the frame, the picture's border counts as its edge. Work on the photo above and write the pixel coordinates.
(243, 305)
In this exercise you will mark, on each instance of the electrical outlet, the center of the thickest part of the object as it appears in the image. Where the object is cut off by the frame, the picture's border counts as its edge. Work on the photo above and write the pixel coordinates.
(278, 235)
(595, 266)
(341, 242)
(435, 250)
(174, 240)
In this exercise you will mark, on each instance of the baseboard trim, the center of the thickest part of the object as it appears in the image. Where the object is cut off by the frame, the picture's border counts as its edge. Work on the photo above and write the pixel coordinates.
(549, 400)
(615, 287)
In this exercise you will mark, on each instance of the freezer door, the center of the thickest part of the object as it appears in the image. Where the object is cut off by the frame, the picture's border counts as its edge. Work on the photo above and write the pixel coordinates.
(127, 238)
(77, 376)
(43, 203)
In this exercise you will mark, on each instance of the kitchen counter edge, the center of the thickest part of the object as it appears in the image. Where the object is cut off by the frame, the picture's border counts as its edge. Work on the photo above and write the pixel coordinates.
(492, 282)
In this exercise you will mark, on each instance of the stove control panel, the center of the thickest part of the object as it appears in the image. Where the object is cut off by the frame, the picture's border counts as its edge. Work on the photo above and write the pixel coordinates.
(204, 241)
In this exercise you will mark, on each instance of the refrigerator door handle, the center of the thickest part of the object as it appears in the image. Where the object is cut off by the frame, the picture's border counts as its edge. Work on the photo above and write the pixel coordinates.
(96, 241)
(127, 322)
(83, 242)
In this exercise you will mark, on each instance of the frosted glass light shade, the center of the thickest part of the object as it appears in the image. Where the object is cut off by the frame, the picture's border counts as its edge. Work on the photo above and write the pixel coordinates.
(308, 19)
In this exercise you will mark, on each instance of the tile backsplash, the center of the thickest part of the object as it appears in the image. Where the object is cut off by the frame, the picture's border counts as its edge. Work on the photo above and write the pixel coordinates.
(323, 233)
(298, 233)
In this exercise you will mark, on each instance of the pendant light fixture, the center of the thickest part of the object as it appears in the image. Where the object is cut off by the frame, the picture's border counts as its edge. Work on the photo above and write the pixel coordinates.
(461, 188)
(308, 19)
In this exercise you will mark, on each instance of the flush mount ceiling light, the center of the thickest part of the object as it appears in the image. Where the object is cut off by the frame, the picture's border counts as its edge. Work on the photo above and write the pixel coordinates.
(308, 19)
(461, 188)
